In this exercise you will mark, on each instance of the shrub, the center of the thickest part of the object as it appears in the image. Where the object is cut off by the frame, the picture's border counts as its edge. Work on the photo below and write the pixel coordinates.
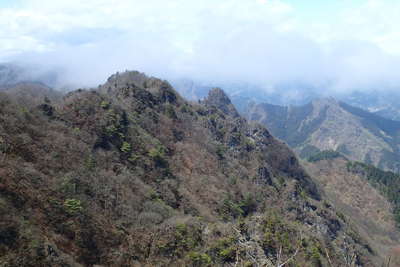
(134, 158)
(230, 209)
(72, 206)
(185, 109)
(225, 249)
(126, 147)
(90, 163)
(277, 234)
(249, 144)
(199, 259)
(157, 154)
(68, 186)
(170, 111)
(221, 149)
(248, 205)
(3, 145)
(315, 255)
(111, 130)
(184, 238)
(104, 104)
(341, 216)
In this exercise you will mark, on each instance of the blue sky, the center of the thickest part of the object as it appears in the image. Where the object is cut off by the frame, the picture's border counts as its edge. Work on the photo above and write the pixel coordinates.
(354, 43)
(314, 10)
(9, 3)
(4, 3)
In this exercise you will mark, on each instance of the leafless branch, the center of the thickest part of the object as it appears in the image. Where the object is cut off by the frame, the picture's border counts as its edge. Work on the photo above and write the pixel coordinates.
(290, 258)
(328, 257)
(390, 258)
(278, 256)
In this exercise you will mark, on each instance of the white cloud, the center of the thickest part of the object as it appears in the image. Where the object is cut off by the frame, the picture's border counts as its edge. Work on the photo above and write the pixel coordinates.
(263, 41)
(181, 19)
(373, 21)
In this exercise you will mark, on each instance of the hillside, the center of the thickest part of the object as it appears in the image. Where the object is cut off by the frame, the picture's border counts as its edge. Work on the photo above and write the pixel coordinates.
(362, 202)
(131, 174)
(327, 124)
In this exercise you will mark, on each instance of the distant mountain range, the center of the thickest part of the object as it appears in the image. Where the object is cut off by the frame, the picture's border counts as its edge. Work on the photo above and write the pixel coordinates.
(11, 74)
(381, 102)
(328, 124)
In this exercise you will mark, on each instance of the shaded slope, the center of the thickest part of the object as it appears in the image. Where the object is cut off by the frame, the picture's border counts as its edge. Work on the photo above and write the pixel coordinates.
(131, 174)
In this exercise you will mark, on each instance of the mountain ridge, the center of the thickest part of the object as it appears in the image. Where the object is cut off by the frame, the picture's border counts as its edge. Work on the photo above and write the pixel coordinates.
(328, 124)
(131, 174)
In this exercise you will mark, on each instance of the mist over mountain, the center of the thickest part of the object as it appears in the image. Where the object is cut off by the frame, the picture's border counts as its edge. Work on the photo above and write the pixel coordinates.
(275, 46)
(16, 73)
(12, 74)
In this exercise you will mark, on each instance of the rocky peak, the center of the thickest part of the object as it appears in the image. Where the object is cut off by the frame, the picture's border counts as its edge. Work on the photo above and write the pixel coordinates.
(128, 77)
(139, 84)
(218, 98)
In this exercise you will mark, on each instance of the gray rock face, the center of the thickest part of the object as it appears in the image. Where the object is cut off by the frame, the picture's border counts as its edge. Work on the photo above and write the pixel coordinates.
(218, 98)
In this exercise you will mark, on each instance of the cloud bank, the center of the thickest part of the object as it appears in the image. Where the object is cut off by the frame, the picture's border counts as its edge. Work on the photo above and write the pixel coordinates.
(264, 42)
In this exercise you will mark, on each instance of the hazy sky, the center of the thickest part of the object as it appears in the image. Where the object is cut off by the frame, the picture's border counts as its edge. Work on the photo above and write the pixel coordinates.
(338, 44)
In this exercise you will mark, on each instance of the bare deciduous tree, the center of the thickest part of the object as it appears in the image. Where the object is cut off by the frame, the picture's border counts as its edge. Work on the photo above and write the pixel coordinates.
(349, 255)
(279, 261)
